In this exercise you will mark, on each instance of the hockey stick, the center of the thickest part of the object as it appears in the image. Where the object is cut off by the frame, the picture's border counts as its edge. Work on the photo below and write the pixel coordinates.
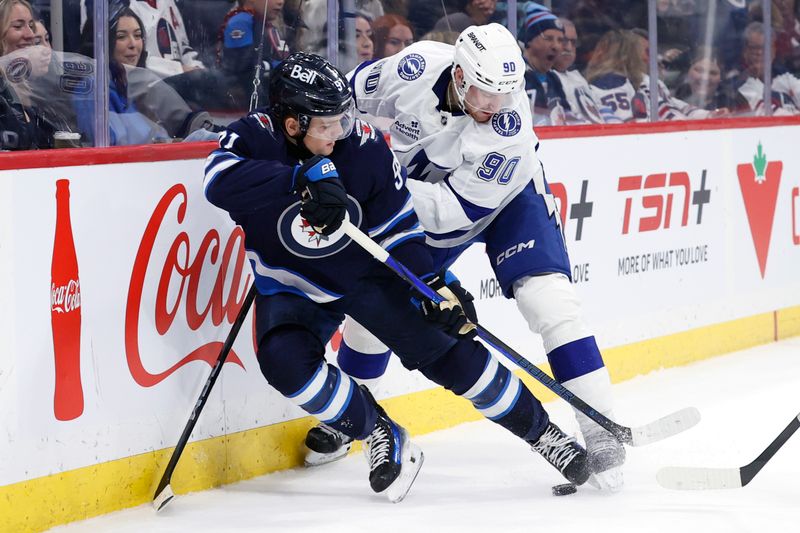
(164, 494)
(688, 478)
(660, 429)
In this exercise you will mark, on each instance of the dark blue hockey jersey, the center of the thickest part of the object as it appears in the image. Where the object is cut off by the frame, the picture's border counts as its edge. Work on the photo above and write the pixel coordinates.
(250, 176)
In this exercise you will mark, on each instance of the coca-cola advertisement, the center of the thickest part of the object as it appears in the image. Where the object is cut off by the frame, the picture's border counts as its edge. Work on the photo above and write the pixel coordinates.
(65, 309)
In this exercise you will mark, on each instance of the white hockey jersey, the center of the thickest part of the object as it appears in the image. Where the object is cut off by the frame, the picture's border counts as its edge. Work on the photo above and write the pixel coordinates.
(619, 102)
(584, 109)
(168, 49)
(785, 95)
(461, 172)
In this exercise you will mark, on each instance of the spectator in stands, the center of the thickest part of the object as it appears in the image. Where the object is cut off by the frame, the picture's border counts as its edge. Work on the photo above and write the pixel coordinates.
(20, 120)
(785, 28)
(541, 35)
(42, 36)
(364, 45)
(470, 12)
(17, 24)
(701, 86)
(668, 106)
(582, 106)
(315, 20)
(748, 83)
(615, 68)
(240, 36)
(126, 51)
(423, 14)
(238, 41)
(391, 33)
(168, 50)
(596, 17)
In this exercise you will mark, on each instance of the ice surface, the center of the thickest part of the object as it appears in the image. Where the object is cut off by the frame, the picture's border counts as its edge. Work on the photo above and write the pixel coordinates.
(477, 477)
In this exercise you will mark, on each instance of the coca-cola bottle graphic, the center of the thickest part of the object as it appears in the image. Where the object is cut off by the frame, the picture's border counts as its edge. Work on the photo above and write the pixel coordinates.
(65, 305)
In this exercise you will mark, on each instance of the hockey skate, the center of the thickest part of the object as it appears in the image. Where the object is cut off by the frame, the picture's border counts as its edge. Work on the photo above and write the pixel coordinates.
(394, 461)
(564, 453)
(606, 456)
(326, 445)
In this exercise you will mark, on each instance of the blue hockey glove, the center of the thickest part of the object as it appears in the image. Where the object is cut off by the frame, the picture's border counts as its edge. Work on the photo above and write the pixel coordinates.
(456, 315)
(322, 192)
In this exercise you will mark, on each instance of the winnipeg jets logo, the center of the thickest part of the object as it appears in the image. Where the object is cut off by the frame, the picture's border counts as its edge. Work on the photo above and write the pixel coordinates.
(314, 237)
(507, 123)
(301, 239)
(411, 67)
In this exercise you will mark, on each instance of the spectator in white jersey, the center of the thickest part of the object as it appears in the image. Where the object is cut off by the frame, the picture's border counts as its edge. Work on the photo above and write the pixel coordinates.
(542, 34)
(748, 84)
(168, 49)
(583, 108)
(618, 76)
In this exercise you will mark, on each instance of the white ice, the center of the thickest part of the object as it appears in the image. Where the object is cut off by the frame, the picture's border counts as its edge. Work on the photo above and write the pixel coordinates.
(478, 477)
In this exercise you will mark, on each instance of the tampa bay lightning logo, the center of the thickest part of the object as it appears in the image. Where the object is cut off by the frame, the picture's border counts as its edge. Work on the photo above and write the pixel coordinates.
(507, 123)
(411, 67)
(302, 240)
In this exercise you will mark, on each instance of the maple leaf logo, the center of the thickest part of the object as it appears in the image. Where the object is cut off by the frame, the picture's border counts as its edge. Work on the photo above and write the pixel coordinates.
(313, 235)
(759, 164)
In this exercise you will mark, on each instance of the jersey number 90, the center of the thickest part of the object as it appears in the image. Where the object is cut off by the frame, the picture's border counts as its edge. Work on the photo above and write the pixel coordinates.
(495, 166)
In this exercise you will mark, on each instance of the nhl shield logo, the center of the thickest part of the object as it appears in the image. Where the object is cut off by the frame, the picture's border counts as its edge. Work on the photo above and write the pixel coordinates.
(302, 240)
(507, 123)
(411, 67)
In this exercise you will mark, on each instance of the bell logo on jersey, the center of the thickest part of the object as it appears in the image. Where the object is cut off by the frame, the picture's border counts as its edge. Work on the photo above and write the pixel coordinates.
(303, 240)
(302, 74)
(506, 123)
(411, 67)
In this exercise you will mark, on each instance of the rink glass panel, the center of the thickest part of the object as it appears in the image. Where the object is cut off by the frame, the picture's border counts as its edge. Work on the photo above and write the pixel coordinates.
(158, 104)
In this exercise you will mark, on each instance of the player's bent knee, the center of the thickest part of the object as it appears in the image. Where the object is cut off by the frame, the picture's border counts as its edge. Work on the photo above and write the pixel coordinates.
(288, 357)
(551, 307)
(459, 368)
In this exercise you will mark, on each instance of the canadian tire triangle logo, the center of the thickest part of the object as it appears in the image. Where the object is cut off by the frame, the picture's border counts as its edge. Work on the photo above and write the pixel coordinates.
(759, 182)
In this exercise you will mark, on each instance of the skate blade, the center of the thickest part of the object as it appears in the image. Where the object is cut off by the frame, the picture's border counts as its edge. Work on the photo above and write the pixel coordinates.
(318, 459)
(412, 462)
(611, 480)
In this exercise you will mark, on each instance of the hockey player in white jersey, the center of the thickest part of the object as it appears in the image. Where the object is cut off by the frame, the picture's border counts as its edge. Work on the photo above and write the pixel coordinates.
(462, 128)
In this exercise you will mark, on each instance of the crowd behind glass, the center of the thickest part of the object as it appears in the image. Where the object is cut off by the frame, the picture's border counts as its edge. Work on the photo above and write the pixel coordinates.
(178, 70)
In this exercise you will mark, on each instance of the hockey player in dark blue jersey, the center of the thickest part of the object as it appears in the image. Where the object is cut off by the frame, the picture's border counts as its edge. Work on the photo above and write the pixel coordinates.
(289, 176)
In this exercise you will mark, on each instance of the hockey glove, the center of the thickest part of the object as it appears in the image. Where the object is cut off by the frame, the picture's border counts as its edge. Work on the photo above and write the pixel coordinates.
(456, 315)
(323, 195)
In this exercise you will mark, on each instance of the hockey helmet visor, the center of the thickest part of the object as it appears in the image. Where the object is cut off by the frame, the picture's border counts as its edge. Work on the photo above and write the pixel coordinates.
(332, 127)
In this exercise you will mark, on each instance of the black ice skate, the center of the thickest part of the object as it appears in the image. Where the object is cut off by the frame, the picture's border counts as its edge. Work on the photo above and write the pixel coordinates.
(394, 461)
(564, 453)
(326, 445)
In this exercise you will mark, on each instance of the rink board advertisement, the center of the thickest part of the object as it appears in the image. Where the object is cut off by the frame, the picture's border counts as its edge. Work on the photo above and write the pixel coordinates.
(121, 283)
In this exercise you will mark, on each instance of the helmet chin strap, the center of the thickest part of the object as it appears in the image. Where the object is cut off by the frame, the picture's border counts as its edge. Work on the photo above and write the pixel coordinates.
(459, 88)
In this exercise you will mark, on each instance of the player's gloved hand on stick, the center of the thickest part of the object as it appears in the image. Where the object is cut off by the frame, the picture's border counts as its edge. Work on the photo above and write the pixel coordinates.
(324, 197)
(456, 315)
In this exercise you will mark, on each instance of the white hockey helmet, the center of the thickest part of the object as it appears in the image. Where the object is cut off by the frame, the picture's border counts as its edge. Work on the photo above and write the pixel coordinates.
(490, 59)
